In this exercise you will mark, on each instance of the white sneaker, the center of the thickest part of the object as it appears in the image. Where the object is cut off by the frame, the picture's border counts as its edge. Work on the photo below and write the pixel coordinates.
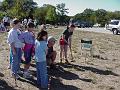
(9, 67)
(20, 72)
(15, 76)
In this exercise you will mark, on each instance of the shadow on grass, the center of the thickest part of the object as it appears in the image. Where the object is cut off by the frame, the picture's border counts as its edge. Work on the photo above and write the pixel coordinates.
(30, 81)
(5, 86)
(89, 68)
(59, 74)
(56, 74)
(56, 84)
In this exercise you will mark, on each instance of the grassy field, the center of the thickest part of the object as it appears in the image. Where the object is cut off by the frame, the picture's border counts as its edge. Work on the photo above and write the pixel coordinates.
(97, 72)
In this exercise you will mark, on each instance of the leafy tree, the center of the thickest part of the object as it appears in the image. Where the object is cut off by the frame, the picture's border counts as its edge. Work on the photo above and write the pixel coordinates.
(100, 16)
(1, 15)
(18, 8)
(61, 9)
(61, 12)
(6, 5)
(51, 15)
(40, 13)
(45, 13)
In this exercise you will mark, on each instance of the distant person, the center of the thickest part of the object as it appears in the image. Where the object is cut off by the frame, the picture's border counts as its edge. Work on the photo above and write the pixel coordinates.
(25, 22)
(2, 27)
(29, 21)
(65, 41)
(15, 45)
(40, 57)
(36, 23)
(71, 21)
(10, 58)
(28, 38)
(6, 21)
(51, 55)
(42, 27)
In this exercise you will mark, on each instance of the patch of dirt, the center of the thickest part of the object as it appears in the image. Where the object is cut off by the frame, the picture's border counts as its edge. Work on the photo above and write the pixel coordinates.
(100, 71)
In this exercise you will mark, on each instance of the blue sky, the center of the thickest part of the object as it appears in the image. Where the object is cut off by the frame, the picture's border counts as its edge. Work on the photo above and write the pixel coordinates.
(78, 6)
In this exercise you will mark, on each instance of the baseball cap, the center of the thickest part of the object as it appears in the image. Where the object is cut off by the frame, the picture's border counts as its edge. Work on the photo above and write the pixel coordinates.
(51, 39)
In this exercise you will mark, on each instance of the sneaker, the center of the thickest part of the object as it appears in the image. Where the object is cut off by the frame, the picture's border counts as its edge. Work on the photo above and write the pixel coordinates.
(9, 67)
(15, 76)
(20, 72)
(27, 75)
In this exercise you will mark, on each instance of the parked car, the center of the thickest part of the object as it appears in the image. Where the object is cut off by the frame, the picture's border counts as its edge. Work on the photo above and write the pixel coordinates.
(48, 26)
(114, 26)
(83, 24)
(96, 25)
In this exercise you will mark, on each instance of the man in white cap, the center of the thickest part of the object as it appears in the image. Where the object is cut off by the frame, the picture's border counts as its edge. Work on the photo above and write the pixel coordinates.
(51, 56)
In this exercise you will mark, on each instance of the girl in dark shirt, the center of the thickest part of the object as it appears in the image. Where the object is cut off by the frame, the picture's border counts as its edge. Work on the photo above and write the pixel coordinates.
(65, 41)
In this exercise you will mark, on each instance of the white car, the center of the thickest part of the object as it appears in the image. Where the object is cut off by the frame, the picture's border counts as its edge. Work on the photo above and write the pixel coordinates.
(114, 26)
(96, 25)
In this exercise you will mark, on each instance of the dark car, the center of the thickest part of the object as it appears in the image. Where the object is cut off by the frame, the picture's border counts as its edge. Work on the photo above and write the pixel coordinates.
(83, 24)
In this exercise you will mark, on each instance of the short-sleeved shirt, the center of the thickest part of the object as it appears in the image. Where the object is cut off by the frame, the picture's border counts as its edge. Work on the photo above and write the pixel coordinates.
(67, 34)
(13, 37)
(25, 21)
(27, 37)
(40, 51)
(5, 19)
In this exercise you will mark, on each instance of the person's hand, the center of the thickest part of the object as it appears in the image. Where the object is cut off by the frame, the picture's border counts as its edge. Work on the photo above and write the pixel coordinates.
(33, 34)
(66, 42)
(33, 54)
(14, 52)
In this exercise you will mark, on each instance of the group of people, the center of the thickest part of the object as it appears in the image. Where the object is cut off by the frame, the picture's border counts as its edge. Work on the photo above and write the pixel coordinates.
(26, 44)
(5, 22)
(26, 21)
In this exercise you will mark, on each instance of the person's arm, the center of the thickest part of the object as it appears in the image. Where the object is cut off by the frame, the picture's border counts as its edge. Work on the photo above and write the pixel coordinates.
(69, 41)
(46, 51)
(3, 19)
(45, 48)
(64, 33)
(22, 37)
(13, 48)
(11, 40)
(33, 33)
(64, 39)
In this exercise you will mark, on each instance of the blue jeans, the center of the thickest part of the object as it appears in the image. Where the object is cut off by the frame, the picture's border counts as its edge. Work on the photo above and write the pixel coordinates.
(16, 60)
(10, 59)
(42, 77)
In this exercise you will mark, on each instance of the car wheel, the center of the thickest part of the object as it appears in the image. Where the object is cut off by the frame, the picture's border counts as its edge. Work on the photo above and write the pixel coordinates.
(115, 31)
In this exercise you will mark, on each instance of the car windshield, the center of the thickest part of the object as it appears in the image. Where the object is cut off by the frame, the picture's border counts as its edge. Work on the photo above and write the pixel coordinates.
(114, 22)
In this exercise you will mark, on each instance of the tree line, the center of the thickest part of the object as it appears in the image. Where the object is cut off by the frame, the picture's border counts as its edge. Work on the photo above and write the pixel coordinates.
(53, 14)
(99, 16)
